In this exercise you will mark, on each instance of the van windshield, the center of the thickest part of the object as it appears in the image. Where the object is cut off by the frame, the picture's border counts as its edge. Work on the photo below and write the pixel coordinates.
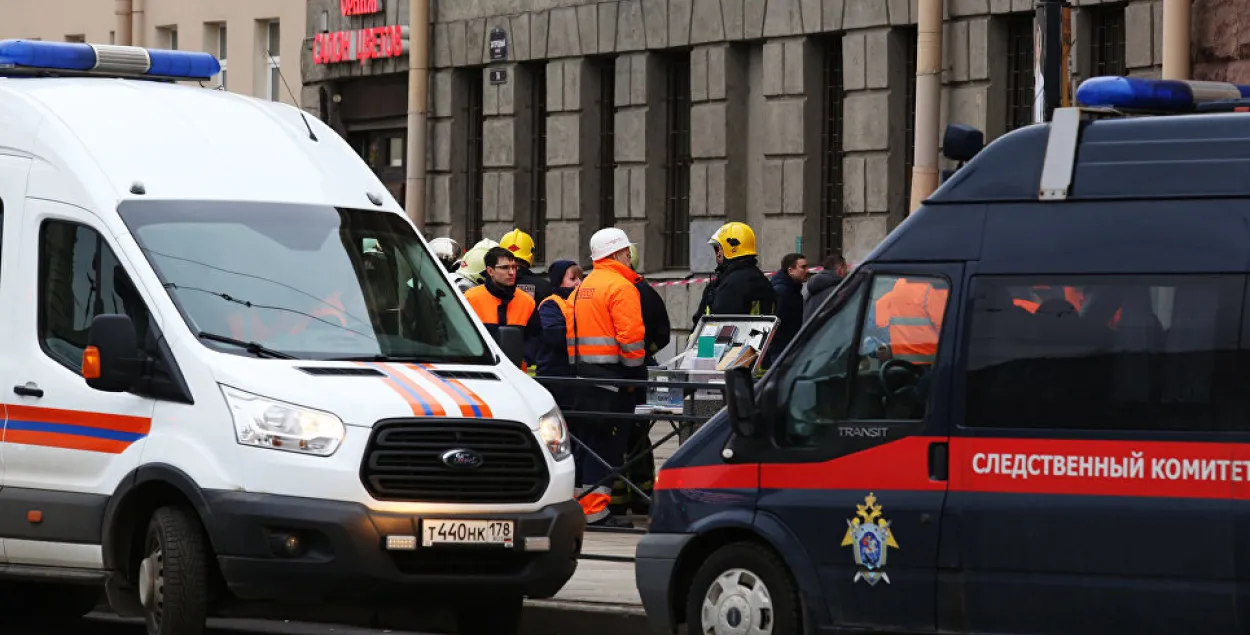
(300, 281)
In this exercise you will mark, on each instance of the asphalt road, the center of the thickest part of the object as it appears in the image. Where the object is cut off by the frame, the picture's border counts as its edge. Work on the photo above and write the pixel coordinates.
(115, 626)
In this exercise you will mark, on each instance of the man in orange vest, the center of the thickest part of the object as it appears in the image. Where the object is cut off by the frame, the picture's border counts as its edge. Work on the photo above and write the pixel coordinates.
(912, 313)
(606, 340)
(497, 302)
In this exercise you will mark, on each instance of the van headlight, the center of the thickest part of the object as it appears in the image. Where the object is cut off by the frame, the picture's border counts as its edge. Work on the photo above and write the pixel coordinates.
(265, 423)
(555, 433)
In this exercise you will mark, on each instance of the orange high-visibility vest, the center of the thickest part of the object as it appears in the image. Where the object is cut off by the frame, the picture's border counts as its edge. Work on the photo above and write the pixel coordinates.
(604, 325)
(487, 307)
(913, 311)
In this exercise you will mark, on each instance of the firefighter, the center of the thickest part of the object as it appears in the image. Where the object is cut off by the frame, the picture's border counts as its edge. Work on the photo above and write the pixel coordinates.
(606, 340)
(472, 267)
(522, 248)
(448, 252)
(739, 288)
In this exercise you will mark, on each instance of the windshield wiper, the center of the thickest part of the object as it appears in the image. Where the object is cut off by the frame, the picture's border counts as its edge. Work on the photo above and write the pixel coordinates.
(251, 347)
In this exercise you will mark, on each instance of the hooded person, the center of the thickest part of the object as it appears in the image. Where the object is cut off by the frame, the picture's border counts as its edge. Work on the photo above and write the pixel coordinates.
(739, 288)
(553, 314)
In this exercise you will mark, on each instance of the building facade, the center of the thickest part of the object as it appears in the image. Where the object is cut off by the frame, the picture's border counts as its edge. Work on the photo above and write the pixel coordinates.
(250, 38)
(670, 117)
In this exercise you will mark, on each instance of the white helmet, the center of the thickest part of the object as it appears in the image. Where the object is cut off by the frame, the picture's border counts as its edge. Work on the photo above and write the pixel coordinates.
(447, 251)
(606, 242)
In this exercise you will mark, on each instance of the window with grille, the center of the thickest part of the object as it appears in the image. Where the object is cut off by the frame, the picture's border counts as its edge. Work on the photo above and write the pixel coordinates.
(677, 186)
(1106, 45)
(1020, 78)
(832, 93)
(606, 68)
(537, 72)
(911, 37)
(473, 176)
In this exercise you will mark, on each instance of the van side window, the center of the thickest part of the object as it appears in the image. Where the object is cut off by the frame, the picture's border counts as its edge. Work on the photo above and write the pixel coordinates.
(1105, 352)
(871, 361)
(80, 278)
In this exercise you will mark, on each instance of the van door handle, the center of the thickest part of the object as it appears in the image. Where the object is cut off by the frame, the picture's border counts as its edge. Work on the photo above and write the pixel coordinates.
(29, 389)
(939, 461)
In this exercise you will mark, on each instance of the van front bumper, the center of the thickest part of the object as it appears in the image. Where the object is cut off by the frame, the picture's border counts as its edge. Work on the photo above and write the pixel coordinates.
(343, 552)
(655, 562)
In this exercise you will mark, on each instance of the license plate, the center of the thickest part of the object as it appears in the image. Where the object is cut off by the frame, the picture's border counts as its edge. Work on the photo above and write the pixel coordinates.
(467, 532)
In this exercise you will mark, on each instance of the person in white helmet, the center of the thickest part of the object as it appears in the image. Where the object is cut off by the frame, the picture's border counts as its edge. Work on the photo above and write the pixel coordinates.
(606, 340)
(448, 252)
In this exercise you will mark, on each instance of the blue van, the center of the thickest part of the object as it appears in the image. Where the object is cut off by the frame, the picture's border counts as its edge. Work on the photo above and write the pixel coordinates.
(1069, 452)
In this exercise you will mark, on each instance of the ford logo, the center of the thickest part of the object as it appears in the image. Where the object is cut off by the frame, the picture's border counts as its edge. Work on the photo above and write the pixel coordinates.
(462, 459)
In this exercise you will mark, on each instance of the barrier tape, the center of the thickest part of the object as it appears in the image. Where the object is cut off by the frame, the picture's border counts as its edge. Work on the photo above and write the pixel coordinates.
(674, 283)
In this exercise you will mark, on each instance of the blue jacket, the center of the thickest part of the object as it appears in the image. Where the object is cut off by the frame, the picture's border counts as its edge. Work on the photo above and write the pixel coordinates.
(552, 354)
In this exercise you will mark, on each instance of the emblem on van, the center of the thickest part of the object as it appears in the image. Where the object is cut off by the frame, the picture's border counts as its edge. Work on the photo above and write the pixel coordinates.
(462, 459)
(869, 537)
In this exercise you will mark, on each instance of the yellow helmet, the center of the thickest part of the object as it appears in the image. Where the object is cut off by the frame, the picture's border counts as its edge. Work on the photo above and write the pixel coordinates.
(735, 239)
(633, 256)
(520, 244)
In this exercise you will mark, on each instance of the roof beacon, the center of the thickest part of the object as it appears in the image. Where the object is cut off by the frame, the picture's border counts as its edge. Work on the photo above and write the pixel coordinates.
(108, 60)
(1155, 95)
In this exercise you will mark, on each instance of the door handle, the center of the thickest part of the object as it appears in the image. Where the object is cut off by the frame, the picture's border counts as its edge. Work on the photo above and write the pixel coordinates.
(939, 461)
(29, 389)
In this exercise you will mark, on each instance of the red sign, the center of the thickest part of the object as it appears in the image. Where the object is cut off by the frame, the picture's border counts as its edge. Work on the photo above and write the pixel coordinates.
(375, 43)
(360, 7)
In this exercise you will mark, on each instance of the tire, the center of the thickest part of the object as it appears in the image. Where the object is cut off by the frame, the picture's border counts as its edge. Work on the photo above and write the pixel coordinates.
(173, 577)
(734, 580)
(43, 603)
(499, 616)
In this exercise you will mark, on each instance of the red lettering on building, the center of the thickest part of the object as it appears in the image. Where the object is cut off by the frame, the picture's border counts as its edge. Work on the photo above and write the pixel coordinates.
(361, 45)
(360, 7)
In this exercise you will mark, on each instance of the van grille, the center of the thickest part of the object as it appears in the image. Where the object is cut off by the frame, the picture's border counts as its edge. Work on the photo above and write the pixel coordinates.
(403, 462)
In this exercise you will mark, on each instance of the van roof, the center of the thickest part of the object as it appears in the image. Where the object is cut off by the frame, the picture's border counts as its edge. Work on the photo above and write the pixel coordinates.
(1182, 156)
(180, 142)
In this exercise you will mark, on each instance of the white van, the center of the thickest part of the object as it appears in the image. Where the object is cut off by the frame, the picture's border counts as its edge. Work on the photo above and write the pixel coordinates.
(239, 377)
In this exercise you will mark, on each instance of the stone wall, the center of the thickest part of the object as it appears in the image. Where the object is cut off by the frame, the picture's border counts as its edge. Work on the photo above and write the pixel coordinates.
(1221, 37)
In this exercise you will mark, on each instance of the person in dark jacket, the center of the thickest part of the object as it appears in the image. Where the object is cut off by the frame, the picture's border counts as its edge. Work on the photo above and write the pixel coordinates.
(553, 356)
(788, 285)
(521, 246)
(654, 312)
(822, 284)
(739, 288)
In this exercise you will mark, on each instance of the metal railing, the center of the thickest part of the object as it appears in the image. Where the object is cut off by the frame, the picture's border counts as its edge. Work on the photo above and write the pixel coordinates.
(683, 425)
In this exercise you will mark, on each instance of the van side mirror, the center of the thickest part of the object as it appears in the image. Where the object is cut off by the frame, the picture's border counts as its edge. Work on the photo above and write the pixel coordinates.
(111, 362)
(744, 415)
(962, 143)
(512, 340)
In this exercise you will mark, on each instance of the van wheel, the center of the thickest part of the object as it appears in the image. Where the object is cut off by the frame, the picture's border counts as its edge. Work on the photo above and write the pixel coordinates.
(741, 589)
(173, 575)
(498, 616)
(42, 603)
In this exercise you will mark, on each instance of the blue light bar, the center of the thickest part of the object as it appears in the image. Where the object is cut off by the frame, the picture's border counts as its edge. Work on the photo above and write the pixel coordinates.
(102, 59)
(1155, 95)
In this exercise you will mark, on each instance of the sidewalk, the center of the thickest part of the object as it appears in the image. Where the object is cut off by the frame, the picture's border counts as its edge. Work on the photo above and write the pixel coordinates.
(601, 598)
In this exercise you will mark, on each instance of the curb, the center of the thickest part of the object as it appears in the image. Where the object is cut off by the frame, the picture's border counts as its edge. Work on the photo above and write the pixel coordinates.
(541, 617)
(551, 617)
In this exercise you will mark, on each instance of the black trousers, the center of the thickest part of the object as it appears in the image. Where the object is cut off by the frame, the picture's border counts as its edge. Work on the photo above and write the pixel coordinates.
(608, 438)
